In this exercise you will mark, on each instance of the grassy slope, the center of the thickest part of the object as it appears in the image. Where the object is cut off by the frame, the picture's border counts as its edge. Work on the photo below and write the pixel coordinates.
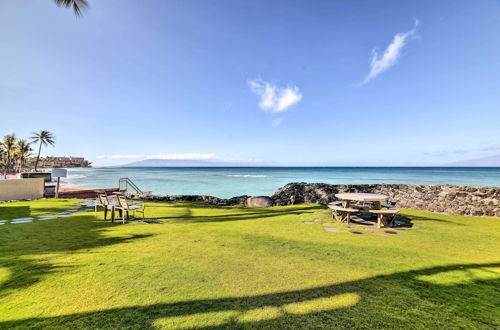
(234, 267)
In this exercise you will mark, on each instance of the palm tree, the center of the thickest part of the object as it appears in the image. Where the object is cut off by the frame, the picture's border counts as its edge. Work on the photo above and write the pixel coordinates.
(23, 151)
(9, 146)
(78, 5)
(45, 138)
(2, 155)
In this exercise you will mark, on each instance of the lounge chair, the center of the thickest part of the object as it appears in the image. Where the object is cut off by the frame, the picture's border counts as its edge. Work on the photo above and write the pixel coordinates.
(125, 206)
(102, 201)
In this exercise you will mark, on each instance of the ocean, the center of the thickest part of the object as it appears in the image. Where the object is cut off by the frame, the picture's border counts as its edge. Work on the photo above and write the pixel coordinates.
(227, 182)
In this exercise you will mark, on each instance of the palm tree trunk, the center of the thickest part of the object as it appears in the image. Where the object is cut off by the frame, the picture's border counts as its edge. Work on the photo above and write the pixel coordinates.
(38, 156)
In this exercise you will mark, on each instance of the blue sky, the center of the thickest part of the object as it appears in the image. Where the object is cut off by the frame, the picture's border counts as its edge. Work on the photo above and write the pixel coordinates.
(278, 82)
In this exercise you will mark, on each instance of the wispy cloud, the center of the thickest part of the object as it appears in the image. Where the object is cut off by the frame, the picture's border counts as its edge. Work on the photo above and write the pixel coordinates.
(494, 147)
(119, 156)
(277, 121)
(273, 98)
(448, 152)
(475, 150)
(380, 63)
(184, 156)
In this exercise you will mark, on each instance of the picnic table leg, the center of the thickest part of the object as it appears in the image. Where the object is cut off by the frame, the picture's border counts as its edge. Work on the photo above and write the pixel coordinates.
(384, 222)
(112, 214)
(336, 216)
(346, 203)
(381, 221)
(392, 222)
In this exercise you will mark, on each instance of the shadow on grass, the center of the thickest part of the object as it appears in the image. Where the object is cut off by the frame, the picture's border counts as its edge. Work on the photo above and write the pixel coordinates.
(434, 218)
(245, 214)
(18, 244)
(24, 273)
(399, 300)
(10, 212)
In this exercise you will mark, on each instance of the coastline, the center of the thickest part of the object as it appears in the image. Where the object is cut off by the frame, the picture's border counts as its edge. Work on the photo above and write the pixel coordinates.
(226, 182)
(447, 199)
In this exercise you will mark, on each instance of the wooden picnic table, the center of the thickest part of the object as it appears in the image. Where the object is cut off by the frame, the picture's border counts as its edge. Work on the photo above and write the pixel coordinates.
(377, 199)
(343, 213)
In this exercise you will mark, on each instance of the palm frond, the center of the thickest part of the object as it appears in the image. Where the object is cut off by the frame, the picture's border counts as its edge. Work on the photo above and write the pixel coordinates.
(78, 5)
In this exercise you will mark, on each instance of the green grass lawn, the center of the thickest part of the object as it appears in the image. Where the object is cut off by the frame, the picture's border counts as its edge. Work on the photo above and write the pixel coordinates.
(197, 266)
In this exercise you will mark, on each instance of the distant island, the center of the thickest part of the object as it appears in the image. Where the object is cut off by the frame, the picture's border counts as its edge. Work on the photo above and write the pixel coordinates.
(490, 161)
(185, 163)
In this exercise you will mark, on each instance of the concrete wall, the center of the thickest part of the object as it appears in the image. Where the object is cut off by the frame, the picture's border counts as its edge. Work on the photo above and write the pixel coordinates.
(46, 175)
(17, 189)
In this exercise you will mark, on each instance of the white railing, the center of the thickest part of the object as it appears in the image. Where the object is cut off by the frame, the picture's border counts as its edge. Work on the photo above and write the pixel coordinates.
(128, 187)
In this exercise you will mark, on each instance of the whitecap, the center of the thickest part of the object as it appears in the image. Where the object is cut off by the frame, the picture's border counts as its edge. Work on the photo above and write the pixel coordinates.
(76, 176)
(248, 175)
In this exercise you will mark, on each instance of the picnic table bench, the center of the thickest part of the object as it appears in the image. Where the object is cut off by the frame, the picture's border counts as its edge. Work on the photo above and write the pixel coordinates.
(373, 203)
(342, 214)
(382, 214)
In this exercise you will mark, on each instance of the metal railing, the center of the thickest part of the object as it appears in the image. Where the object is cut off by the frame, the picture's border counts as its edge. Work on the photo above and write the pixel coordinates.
(128, 187)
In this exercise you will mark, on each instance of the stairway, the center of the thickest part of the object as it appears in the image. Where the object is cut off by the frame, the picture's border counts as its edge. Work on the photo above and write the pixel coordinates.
(128, 187)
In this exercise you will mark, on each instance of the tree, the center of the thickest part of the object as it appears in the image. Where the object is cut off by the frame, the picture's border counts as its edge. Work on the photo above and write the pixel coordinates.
(43, 137)
(9, 147)
(78, 5)
(23, 151)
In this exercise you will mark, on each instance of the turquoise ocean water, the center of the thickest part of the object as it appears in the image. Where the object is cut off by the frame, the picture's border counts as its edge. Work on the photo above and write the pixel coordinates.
(230, 181)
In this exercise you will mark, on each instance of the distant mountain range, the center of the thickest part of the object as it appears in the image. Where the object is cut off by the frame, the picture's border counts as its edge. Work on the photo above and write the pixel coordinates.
(492, 161)
(185, 163)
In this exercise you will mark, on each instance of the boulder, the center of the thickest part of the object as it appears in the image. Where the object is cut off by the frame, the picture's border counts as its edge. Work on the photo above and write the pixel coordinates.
(259, 201)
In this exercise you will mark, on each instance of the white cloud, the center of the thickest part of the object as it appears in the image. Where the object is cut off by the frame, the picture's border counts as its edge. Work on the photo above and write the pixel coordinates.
(379, 64)
(185, 156)
(273, 98)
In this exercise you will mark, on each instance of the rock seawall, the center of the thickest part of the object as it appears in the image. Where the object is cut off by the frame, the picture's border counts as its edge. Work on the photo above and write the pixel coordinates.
(238, 200)
(458, 200)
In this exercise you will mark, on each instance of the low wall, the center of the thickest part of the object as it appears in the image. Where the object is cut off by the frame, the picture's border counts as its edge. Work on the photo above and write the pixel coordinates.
(79, 193)
(238, 200)
(17, 189)
(459, 200)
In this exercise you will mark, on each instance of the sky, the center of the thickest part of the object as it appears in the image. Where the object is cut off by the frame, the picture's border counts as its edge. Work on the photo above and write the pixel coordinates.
(307, 83)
